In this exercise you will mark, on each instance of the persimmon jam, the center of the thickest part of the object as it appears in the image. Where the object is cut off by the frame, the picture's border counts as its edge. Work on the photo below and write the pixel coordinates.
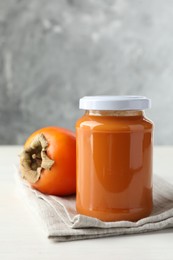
(114, 164)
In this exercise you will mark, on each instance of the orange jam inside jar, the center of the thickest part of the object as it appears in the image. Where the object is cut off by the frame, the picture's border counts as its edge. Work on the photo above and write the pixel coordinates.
(114, 158)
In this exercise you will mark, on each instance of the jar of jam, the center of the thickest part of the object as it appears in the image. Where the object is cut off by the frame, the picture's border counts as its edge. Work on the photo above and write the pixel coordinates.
(114, 158)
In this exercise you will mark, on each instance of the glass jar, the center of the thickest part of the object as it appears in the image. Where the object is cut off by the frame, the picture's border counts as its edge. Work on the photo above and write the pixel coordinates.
(114, 158)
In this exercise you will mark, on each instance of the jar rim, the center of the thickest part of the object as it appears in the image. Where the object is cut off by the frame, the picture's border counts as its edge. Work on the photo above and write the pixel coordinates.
(114, 103)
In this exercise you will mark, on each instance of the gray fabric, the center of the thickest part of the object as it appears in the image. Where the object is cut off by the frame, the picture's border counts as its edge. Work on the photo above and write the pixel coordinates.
(61, 222)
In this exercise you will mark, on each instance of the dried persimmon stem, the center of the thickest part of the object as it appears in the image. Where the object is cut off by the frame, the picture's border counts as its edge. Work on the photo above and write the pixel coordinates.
(34, 159)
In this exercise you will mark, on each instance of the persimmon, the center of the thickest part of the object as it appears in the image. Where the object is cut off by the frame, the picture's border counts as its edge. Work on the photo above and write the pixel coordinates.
(48, 161)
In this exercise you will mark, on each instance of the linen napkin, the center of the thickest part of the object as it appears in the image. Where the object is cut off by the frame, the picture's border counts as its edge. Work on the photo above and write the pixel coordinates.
(61, 222)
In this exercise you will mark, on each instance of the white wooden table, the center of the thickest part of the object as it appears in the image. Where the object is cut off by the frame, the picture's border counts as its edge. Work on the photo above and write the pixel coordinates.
(21, 236)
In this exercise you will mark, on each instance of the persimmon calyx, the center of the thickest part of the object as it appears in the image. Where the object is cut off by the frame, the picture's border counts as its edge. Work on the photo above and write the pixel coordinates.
(34, 159)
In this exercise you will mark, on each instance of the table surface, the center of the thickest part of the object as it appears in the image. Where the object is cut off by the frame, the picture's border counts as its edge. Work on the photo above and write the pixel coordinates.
(21, 236)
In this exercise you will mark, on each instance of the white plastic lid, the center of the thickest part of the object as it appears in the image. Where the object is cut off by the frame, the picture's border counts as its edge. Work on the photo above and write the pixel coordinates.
(114, 103)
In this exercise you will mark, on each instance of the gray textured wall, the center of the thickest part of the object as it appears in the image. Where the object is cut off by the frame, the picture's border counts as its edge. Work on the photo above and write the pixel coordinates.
(54, 52)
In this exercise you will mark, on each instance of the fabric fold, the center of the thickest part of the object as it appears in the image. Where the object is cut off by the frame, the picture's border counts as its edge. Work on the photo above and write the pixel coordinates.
(61, 222)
